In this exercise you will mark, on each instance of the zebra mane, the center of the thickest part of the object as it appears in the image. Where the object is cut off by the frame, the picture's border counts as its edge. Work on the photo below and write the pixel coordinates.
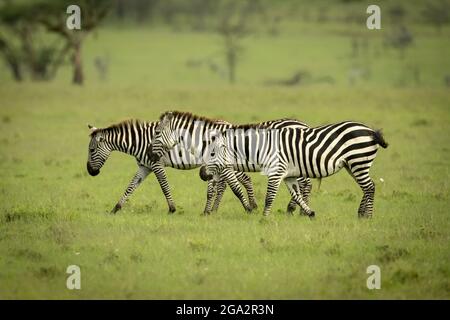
(122, 124)
(191, 116)
(194, 117)
(250, 126)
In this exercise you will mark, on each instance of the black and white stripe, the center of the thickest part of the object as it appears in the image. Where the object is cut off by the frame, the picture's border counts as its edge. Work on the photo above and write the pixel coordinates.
(134, 137)
(194, 133)
(306, 152)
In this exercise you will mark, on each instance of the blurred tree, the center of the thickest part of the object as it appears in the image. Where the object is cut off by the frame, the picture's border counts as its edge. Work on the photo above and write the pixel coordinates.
(168, 9)
(121, 9)
(400, 38)
(24, 23)
(140, 10)
(23, 46)
(52, 14)
(12, 59)
(397, 13)
(232, 32)
(437, 13)
(199, 11)
(234, 25)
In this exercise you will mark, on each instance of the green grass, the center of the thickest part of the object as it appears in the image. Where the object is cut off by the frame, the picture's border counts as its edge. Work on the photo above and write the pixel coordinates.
(53, 214)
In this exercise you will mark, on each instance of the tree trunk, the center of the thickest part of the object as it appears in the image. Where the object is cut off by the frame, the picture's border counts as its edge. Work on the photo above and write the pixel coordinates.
(12, 60)
(30, 54)
(16, 71)
(231, 61)
(120, 9)
(77, 64)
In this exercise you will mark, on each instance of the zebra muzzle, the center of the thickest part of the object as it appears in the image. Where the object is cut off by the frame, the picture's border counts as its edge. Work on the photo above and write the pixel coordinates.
(204, 175)
(154, 157)
(92, 171)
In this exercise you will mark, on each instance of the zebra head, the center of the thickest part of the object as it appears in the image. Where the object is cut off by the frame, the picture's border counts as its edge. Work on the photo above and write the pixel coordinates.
(165, 137)
(98, 152)
(218, 156)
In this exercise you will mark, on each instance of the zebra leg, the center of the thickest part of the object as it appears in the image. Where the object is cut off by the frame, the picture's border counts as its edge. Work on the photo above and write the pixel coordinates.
(160, 173)
(367, 185)
(210, 193)
(305, 190)
(369, 191)
(272, 188)
(291, 206)
(247, 183)
(302, 187)
(291, 182)
(140, 176)
(221, 186)
(292, 203)
(230, 176)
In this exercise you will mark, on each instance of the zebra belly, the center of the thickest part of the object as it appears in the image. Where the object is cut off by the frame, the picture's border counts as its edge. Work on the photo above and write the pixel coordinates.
(184, 166)
(295, 171)
(178, 163)
(246, 167)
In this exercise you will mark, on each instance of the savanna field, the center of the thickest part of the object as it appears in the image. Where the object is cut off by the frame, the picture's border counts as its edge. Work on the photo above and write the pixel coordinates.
(53, 214)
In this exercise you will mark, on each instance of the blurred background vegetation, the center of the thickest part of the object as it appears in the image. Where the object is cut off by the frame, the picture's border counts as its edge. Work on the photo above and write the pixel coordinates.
(243, 61)
(207, 42)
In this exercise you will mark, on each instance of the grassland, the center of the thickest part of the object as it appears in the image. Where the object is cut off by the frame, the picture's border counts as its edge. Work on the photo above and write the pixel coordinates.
(53, 214)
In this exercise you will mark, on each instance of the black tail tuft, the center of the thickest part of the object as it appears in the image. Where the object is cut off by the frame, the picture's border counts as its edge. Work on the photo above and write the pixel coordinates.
(378, 136)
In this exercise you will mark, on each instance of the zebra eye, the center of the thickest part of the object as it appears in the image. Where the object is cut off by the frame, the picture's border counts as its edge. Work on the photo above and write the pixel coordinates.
(213, 154)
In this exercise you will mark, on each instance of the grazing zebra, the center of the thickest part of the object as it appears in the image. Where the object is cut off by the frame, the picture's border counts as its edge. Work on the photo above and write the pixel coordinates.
(193, 133)
(134, 138)
(309, 152)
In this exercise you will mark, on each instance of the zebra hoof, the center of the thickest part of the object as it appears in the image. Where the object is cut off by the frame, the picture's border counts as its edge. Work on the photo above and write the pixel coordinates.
(172, 209)
(312, 215)
(290, 209)
(253, 206)
(303, 212)
(116, 208)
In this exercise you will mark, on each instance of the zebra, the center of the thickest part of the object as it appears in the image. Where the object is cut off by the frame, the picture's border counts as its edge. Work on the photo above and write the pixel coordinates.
(193, 132)
(307, 152)
(134, 138)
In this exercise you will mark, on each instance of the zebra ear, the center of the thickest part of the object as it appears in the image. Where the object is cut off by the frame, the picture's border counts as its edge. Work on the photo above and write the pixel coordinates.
(92, 128)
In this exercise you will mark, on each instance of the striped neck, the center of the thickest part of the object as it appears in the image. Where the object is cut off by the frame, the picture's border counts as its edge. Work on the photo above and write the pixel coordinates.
(131, 137)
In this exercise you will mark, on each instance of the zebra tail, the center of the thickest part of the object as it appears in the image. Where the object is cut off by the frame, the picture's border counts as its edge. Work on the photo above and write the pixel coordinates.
(378, 136)
(320, 183)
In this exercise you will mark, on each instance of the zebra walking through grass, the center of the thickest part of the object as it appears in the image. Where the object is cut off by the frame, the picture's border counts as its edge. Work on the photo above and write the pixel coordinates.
(193, 133)
(134, 137)
(307, 152)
